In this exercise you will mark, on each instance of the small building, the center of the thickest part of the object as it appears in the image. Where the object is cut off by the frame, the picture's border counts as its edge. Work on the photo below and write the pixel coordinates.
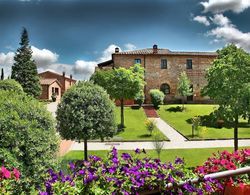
(53, 82)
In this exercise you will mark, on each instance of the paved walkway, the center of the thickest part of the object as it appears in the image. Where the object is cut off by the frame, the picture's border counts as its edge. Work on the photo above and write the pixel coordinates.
(177, 141)
(168, 131)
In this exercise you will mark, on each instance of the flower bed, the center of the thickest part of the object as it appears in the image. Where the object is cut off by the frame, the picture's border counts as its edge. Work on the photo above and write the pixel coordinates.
(229, 161)
(125, 175)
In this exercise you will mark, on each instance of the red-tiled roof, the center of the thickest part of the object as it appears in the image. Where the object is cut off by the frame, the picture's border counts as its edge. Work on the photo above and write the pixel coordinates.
(106, 63)
(67, 77)
(149, 51)
(44, 81)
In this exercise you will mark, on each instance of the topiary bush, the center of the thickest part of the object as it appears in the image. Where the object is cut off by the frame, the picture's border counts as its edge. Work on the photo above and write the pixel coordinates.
(27, 135)
(157, 97)
(86, 112)
(10, 85)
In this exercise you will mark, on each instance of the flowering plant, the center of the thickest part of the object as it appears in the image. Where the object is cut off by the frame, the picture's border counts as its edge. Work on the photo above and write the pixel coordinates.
(228, 161)
(8, 180)
(124, 175)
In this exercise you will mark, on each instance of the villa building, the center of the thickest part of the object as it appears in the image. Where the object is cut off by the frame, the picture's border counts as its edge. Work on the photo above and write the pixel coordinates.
(163, 68)
(56, 83)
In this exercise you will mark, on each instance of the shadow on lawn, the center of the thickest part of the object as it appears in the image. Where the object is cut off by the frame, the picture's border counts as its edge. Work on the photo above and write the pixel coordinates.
(145, 136)
(174, 109)
(211, 121)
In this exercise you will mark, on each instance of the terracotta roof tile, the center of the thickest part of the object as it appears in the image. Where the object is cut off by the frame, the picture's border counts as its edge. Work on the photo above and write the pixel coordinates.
(47, 81)
(149, 51)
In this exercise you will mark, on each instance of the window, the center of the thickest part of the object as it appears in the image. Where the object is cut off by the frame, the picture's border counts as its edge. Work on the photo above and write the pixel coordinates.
(56, 91)
(189, 64)
(137, 61)
(165, 88)
(164, 64)
(53, 89)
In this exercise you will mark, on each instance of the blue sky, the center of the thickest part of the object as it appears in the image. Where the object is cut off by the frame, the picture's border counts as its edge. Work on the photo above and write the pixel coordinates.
(74, 35)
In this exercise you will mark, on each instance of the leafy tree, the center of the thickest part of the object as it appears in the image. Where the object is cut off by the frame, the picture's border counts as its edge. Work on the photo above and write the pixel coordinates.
(2, 74)
(24, 69)
(183, 87)
(10, 85)
(121, 83)
(228, 79)
(86, 112)
(157, 97)
(27, 135)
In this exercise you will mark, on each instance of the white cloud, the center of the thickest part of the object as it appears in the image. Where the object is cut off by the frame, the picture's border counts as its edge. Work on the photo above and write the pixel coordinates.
(48, 60)
(220, 6)
(106, 54)
(221, 20)
(129, 47)
(43, 57)
(202, 20)
(230, 34)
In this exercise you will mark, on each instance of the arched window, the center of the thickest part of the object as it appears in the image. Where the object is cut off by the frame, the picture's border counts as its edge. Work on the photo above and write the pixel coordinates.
(165, 88)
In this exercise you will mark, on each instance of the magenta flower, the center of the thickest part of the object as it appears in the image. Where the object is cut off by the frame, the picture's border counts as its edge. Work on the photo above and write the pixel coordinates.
(6, 173)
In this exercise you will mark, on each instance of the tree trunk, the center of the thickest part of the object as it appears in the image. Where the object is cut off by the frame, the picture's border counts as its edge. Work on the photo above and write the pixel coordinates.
(182, 101)
(85, 149)
(122, 112)
(236, 121)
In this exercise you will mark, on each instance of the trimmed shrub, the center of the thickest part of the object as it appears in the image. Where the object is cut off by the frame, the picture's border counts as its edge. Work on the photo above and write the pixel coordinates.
(140, 97)
(27, 135)
(10, 85)
(86, 112)
(157, 97)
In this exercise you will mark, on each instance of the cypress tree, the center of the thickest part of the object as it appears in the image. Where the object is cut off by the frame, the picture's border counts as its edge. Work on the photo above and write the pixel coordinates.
(24, 69)
(2, 74)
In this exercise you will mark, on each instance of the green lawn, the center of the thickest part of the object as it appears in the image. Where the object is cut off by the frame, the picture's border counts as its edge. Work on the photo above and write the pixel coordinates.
(192, 157)
(180, 121)
(135, 128)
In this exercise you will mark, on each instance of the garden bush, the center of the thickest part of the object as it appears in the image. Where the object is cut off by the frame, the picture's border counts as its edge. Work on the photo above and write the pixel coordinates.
(27, 135)
(10, 85)
(86, 112)
(157, 97)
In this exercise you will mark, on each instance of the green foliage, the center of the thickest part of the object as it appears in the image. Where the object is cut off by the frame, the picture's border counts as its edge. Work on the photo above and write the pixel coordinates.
(140, 97)
(150, 125)
(121, 83)
(183, 87)
(27, 135)
(228, 79)
(24, 69)
(11, 85)
(86, 112)
(158, 145)
(157, 97)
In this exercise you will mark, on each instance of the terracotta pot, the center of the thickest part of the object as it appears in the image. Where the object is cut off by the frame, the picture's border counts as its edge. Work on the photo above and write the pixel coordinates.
(237, 190)
(220, 123)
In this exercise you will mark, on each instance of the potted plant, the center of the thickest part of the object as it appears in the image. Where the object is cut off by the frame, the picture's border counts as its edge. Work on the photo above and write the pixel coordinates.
(53, 96)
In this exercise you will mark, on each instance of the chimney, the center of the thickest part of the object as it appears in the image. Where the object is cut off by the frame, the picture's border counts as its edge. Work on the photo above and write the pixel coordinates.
(117, 50)
(70, 76)
(155, 48)
(63, 74)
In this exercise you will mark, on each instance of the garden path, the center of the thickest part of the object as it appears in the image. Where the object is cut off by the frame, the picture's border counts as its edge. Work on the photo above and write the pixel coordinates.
(177, 141)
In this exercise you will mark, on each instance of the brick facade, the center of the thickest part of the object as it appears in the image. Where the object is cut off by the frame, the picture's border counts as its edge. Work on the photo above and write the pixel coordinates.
(155, 76)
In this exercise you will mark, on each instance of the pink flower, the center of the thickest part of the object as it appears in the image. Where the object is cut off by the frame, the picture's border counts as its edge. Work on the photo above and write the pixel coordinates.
(223, 162)
(16, 173)
(5, 172)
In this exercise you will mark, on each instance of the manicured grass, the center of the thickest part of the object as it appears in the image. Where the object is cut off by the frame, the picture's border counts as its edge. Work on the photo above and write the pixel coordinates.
(135, 128)
(192, 157)
(180, 121)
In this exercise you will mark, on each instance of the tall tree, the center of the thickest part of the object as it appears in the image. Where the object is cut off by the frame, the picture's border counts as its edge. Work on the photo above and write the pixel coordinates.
(24, 69)
(2, 74)
(184, 87)
(86, 112)
(228, 79)
(121, 84)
